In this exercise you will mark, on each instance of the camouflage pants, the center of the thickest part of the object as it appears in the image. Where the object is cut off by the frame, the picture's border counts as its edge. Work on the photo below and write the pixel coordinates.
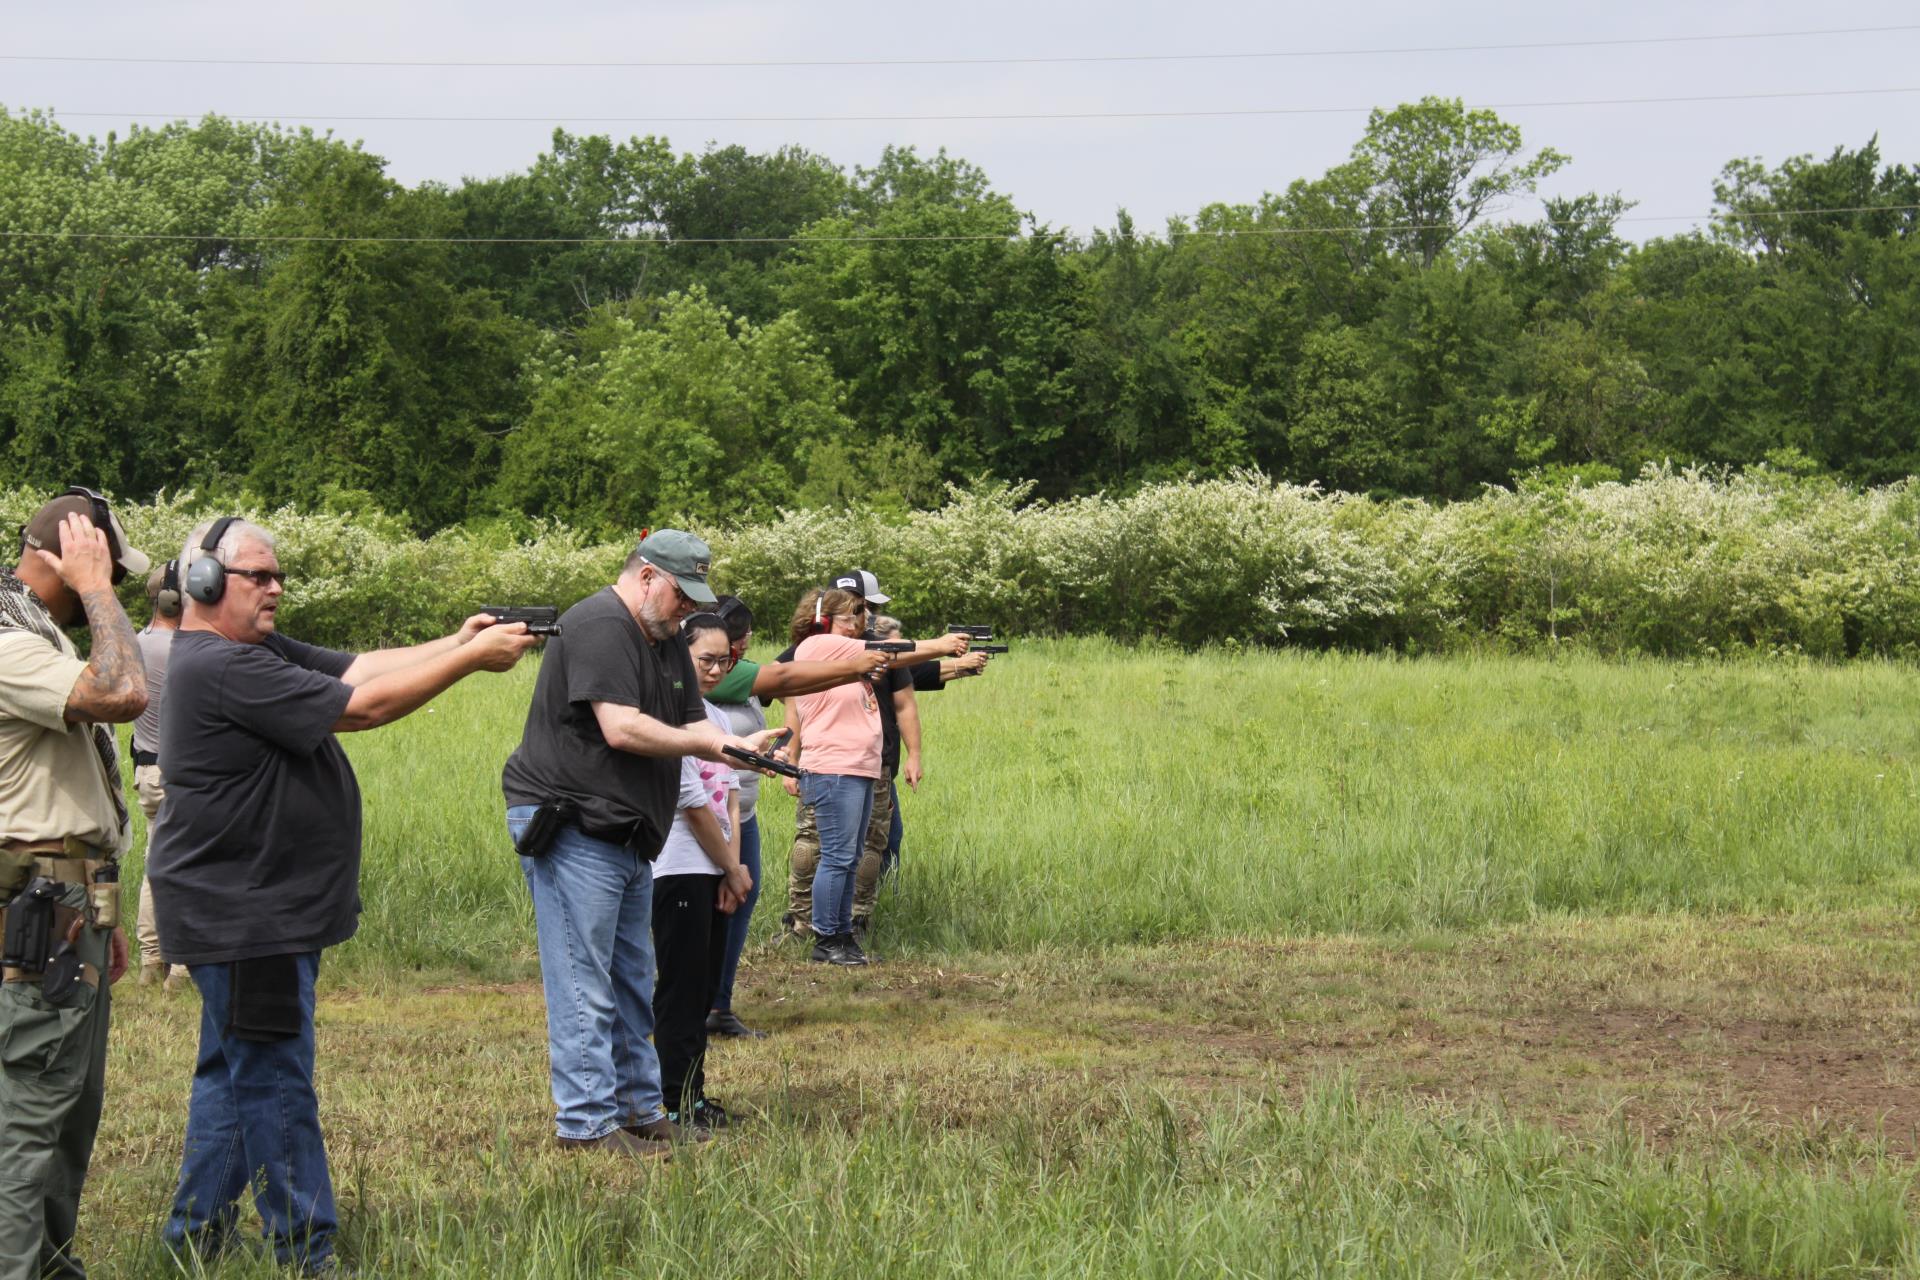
(804, 859)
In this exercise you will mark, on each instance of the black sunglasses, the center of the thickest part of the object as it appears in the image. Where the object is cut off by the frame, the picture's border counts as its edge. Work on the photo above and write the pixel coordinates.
(259, 577)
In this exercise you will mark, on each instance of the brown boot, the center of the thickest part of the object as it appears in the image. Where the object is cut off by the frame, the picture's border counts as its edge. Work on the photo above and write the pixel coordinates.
(620, 1142)
(178, 979)
(661, 1129)
(151, 972)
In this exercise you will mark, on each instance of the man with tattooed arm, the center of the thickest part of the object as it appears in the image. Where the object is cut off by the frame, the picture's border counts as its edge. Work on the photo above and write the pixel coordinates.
(63, 826)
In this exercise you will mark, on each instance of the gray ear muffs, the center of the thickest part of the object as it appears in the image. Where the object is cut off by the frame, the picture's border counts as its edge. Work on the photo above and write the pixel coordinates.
(168, 602)
(102, 517)
(206, 576)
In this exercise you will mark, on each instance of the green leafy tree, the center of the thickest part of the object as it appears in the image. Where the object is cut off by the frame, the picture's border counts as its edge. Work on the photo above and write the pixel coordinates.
(362, 365)
(1432, 168)
(952, 330)
(692, 414)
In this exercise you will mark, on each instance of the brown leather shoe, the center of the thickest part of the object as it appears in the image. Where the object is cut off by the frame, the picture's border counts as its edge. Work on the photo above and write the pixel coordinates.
(620, 1142)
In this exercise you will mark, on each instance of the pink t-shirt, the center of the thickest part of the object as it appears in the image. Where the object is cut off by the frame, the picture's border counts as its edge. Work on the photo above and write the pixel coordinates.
(840, 728)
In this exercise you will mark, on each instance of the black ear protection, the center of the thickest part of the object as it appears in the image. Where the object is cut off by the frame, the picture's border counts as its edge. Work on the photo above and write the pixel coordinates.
(168, 602)
(206, 576)
(102, 517)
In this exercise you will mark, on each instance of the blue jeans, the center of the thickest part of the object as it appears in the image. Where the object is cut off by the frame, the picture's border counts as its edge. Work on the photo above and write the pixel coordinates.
(736, 923)
(842, 805)
(254, 1118)
(593, 914)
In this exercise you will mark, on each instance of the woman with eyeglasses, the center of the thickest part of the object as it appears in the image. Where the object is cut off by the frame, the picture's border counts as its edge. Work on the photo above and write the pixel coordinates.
(699, 881)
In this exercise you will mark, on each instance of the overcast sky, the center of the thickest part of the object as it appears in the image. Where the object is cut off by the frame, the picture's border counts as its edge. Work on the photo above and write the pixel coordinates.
(1068, 173)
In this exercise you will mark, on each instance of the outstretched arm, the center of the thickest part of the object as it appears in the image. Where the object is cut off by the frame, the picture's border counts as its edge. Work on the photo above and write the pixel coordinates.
(791, 679)
(386, 697)
(380, 662)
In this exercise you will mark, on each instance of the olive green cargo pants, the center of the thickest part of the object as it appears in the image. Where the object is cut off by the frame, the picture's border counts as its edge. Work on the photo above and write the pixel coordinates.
(804, 858)
(53, 1072)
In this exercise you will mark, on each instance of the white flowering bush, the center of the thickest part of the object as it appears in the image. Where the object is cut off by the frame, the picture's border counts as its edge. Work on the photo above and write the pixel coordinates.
(1675, 562)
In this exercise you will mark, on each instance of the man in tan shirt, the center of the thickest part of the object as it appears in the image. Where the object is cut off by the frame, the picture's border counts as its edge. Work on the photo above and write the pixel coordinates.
(63, 825)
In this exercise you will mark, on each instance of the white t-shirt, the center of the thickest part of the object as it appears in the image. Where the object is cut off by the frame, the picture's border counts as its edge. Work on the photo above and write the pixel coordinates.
(702, 783)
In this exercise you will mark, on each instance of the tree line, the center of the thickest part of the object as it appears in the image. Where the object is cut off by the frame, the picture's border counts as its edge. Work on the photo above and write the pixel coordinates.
(638, 334)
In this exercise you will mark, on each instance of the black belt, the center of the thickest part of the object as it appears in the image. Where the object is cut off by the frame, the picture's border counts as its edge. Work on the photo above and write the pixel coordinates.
(145, 757)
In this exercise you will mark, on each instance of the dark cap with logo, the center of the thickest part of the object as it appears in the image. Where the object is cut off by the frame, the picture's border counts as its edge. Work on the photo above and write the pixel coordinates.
(862, 584)
(679, 553)
(43, 531)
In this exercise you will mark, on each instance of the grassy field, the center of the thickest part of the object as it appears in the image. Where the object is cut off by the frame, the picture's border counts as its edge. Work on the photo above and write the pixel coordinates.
(1236, 964)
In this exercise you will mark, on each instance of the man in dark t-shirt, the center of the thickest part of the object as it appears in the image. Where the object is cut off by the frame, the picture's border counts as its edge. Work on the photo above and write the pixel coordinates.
(255, 866)
(615, 708)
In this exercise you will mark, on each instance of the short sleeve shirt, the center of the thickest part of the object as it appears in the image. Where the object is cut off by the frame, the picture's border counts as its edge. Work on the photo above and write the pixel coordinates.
(702, 784)
(745, 717)
(52, 783)
(840, 727)
(601, 655)
(737, 685)
(156, 645)
(257, 848)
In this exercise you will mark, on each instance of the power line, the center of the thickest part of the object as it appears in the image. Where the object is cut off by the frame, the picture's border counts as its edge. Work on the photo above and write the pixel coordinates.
(667, 243)
(978, 117)
(1618, 42)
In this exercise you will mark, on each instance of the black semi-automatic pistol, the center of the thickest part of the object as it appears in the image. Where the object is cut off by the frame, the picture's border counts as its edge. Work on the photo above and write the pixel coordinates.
(541, 619)
(759, 761)
(976, 635)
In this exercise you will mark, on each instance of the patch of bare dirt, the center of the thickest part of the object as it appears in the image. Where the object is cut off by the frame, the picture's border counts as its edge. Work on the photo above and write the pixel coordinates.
(1683, 1072)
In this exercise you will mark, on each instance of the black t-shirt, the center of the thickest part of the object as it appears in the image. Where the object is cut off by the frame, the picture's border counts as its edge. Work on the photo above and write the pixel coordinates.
(256, 849)
(884, 686)
(601, 655)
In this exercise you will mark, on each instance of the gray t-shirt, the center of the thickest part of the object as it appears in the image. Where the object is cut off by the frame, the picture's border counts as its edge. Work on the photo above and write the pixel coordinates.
(155, 646)
(743, 720)
(256, 851)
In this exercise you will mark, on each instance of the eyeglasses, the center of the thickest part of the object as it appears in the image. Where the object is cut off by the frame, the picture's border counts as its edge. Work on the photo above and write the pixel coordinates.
(259, 577)
(714, 662)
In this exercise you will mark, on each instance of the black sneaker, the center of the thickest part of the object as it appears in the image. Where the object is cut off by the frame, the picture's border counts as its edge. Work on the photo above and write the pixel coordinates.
(724, 1022)
(711, 1114)
(840, 949)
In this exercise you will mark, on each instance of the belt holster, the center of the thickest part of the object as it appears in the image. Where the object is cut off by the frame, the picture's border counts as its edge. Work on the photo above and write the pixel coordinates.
(28, 940)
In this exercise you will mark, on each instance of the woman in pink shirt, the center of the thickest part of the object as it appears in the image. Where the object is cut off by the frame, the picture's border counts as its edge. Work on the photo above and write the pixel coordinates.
(839, 731)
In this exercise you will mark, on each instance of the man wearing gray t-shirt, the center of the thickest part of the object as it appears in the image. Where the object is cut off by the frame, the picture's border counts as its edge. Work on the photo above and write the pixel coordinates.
(156, 646)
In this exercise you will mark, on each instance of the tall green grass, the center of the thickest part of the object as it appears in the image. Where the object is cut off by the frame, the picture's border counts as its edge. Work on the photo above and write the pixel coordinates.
(1084, 794)
(1334, 1185)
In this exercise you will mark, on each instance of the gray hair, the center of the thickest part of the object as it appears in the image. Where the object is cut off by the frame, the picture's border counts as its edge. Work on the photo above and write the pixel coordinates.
(238, 532)
(885, 625)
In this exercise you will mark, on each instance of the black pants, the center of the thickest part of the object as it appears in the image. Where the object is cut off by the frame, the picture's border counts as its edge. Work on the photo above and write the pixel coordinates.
(688, 948)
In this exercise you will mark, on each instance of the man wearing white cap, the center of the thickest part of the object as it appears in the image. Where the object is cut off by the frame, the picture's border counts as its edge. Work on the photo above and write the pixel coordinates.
(63, 826)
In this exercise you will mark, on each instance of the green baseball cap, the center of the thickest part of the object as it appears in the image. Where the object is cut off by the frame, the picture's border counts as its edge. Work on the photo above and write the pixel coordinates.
(684, 556)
